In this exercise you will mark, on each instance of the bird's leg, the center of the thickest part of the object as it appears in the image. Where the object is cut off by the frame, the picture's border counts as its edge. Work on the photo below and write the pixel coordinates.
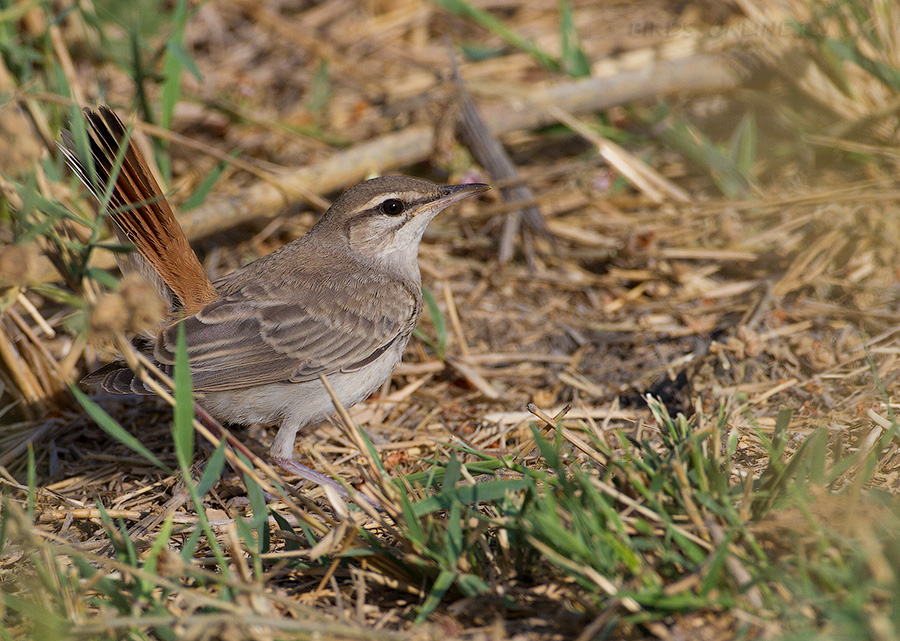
(307, 473)
(282, 453)
(285, 463)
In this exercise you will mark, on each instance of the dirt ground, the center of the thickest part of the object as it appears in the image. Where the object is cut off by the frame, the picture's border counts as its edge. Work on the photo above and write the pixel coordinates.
(784, 295)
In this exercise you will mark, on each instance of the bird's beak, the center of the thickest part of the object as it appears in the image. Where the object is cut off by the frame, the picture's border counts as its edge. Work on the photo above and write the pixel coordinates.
(452, 193)
(449, 195)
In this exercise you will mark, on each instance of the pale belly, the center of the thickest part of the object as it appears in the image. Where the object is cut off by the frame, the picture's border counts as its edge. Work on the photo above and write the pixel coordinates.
(294, 405)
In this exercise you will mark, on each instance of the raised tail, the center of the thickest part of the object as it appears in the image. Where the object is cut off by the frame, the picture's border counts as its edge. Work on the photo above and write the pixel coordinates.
(140, 211)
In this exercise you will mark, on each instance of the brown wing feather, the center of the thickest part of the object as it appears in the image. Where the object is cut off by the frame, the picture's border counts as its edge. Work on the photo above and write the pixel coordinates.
(117, 378)
(258, 336)
(141, 213)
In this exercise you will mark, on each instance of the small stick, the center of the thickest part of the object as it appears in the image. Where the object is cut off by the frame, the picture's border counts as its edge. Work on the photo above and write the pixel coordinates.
(24, 379)
(704, 73)
(645, 178)
(550, 423)
(493, 157)
(468, 371)
(36, 315)
(453, 313)
(36, 342)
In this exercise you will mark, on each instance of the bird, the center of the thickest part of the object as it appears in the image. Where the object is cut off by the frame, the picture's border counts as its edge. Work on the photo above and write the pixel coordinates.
(340, 302)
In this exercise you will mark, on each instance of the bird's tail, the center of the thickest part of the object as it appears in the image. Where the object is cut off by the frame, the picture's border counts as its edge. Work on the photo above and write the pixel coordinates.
(140, 212)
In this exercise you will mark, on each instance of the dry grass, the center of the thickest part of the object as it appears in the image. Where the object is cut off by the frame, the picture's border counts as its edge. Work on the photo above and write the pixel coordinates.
(773, 286)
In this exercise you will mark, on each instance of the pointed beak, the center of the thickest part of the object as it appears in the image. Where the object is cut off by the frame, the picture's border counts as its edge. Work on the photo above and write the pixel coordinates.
(449, 194)
(453, 193)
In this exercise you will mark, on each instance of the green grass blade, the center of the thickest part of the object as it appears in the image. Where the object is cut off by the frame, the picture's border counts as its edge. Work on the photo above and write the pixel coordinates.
(440, 587)
(496, 26)
(204, 526)
(79, 131)
(744, 146)
(183, 436)
(109, 425)
(32, 482)
(213, 470)
(414, 530)
(47, 624)
(176, 49)
(260, 512)
(471, 495)
(699, 149)
(574, 62)
(437, 319)
(435, 474)
(472, 585)
(453, 536)
(4, 523)
(373, 451)
(425, 338)
(190, 546)
(452, 474)
(161, 541)
(290, 544)
(198, 197)
(320, 91)
(183, 425)
(889, 76)
(176, 60)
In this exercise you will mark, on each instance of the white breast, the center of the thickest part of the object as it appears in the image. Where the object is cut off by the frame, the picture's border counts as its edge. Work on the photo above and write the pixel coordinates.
(294, 405)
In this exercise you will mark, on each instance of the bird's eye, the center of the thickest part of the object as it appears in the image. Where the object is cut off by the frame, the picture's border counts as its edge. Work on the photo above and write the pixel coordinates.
(392, 207)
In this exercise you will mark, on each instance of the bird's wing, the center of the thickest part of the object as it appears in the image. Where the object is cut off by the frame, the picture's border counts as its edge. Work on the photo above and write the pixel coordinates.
(255, 336)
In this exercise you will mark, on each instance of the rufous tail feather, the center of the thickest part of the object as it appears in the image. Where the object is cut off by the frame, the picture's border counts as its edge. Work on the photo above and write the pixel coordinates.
(139, 209)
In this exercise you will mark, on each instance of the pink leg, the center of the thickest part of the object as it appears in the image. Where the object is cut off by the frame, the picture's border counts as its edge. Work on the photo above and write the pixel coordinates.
(287, 464)
(309, 474)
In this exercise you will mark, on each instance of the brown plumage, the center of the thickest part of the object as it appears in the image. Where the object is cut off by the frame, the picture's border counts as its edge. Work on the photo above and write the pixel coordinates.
(340, 302)
(140, 212)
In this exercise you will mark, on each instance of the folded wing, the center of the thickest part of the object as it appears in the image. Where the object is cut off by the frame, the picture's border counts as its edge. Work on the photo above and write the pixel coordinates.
(253, 337)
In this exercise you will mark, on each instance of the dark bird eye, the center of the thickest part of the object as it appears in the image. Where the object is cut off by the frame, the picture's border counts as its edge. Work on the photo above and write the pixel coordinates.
(392, 207)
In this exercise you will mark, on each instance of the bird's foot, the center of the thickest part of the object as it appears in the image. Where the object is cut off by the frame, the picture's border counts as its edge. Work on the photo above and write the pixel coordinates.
(293, 467)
